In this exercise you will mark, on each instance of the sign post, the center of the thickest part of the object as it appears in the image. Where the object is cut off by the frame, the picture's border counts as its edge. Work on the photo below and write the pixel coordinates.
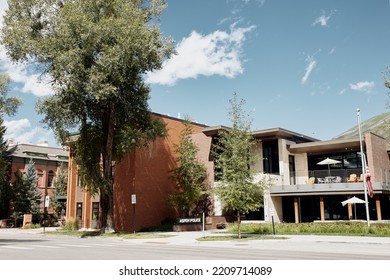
(272, 212)
(134, 202)
(47, 204)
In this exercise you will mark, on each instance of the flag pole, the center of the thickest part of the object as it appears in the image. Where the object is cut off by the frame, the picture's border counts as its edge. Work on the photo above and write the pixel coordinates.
(362, 156)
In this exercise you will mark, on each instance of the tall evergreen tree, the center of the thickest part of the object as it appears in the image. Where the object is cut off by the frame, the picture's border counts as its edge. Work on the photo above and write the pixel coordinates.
(237, 188)
(60, 184)
(97, 53)
(8, 106)
(5, 191)
(26, 196)
(190, 175)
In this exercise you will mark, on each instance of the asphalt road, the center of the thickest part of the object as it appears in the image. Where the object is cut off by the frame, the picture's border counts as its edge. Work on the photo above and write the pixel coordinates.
(16, 244)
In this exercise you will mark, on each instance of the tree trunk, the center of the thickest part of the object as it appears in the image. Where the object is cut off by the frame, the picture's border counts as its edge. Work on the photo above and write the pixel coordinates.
(107, 206)
(107, 194)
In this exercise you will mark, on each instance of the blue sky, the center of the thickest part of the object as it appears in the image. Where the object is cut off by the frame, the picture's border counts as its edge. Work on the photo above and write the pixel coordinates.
(301, 65)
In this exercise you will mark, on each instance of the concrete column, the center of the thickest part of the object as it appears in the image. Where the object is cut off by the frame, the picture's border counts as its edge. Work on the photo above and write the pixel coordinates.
(296, 210)
(322, 208)
(71, 201)
(378, 207)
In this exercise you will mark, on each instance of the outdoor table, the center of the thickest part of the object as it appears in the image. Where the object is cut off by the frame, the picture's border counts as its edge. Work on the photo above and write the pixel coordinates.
(330, 179)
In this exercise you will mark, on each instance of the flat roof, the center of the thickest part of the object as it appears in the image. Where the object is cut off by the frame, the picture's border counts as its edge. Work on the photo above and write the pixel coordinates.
(326, 146)
(38, 152)
(271, 133)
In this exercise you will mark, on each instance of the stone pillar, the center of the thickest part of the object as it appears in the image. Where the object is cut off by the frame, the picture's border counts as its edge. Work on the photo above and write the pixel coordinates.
(296, 210)
(322, 209)
(378, 207)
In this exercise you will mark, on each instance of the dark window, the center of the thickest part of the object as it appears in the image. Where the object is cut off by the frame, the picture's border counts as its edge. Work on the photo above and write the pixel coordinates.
(50, 178)
(291, 163)
(271, 157)
(95, 211)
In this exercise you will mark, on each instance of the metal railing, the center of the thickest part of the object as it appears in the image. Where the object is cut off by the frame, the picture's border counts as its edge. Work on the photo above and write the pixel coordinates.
(346, 175)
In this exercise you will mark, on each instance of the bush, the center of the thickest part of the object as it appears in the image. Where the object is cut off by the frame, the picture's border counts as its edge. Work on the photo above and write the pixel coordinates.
(338, 228)
(71, 225)
(32, 226)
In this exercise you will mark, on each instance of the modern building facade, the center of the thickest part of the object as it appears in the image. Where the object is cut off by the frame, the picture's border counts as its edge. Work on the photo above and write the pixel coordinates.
(300, 189)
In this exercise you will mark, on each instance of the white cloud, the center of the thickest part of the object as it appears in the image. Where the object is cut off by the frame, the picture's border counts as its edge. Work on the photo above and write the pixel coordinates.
(323, 19)
(311, 63)
(365, 86)
(218, 53)
(17, 126)
(22, 132)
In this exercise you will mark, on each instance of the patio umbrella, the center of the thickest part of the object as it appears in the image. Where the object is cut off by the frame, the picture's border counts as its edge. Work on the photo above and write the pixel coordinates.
(353, 200)
(328, 161)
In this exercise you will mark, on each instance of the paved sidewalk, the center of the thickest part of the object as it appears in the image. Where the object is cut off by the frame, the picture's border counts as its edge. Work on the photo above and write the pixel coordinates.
(191, 237)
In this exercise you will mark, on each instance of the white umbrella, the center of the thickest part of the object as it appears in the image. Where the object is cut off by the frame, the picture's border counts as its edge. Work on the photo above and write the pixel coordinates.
(328, 161)
(353, 200)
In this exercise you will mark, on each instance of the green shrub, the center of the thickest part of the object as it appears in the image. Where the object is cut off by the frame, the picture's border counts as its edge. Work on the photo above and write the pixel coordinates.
(32, 226)
(337, 228)
(71, 225)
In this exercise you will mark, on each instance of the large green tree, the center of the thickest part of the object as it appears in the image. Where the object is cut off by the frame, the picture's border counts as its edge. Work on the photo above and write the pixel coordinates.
(234, 156)
(96, 53)
(190, 176)
(8, 106)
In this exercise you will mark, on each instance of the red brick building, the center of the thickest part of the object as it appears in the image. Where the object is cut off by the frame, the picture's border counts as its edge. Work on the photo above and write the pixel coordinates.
(144, 173)
(47, 162)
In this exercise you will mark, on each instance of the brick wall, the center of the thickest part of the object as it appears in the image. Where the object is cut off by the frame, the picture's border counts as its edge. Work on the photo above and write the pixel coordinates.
(377, 158)
(145, 172)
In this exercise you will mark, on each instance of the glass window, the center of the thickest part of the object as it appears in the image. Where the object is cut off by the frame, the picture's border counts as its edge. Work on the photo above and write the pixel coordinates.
(95, 211)
(50, 178)
(40, 178)
(271, 157)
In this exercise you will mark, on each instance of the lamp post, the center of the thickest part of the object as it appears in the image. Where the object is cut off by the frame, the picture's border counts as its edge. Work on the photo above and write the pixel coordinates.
(362, 156)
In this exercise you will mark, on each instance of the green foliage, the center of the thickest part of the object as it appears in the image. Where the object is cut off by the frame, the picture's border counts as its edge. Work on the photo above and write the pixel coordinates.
(25, 194)
(234, 156)
(190, 175)
(60, 182)
(96, 53)
(338, 228)
(5, 190)
(71, 225)
(8, 106)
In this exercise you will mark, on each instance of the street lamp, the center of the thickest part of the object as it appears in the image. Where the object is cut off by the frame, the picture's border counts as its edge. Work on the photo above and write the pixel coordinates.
(362, 156)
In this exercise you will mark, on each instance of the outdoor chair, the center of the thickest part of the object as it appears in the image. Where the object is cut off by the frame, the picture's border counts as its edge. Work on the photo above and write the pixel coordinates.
(338, 179)
(321, 180)
(311, 180)
(352, 178)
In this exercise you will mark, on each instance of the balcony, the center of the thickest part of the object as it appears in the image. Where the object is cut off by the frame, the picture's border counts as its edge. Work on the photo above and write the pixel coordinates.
(334, 182)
